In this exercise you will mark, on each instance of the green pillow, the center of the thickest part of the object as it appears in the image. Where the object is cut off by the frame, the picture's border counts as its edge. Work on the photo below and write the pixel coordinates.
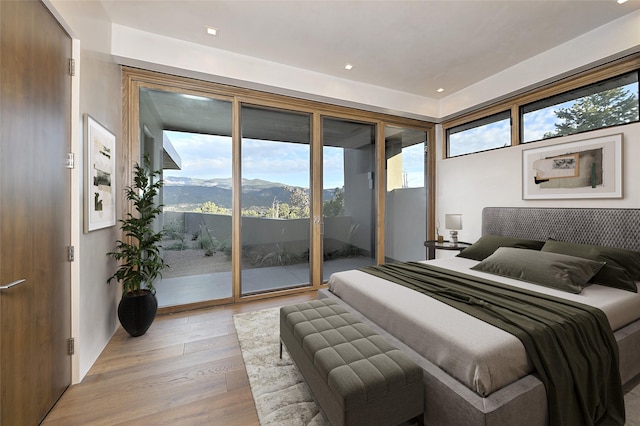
(553, 270)
(622, 267)
(487, 244)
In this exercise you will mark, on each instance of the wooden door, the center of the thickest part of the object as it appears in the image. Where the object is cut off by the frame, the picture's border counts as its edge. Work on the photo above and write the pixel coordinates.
(35, 94)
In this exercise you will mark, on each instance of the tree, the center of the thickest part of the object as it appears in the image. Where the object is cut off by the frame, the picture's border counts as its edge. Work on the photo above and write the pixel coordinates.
(334, 206)
(285, 211)
(604, 109)
(300, 203)
(274, 212)
(252, 213)
(213, 208)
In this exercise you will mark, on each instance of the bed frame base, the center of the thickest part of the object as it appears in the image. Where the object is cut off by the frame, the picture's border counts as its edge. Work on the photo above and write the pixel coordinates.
(447, 401)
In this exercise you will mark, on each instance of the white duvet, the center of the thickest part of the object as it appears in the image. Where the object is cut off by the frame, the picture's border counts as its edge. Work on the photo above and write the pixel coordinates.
(479, 355)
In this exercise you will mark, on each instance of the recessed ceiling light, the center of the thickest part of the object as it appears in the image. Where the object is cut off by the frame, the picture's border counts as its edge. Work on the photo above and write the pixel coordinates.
(212, 31)
(348, 67)
(440, 90)
(621, 1)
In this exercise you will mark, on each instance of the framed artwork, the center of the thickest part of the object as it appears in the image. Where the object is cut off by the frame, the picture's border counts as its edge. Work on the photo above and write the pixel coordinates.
(590, 168)
(100, 166)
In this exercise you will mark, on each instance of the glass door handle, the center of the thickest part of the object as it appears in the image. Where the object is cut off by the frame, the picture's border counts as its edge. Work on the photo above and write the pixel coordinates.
(12, 284)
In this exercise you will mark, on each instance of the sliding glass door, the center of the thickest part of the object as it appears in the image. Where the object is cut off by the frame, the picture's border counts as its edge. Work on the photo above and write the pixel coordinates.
(348, 196)
(188, 137)
(246, 171)
(275, 200)
(405, 220)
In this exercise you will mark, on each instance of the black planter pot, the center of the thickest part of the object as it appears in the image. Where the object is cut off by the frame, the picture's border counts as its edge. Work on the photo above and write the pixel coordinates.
(136, 311)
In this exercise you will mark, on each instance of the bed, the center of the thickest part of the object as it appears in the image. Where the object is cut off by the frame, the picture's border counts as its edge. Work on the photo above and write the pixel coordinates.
(476, 374)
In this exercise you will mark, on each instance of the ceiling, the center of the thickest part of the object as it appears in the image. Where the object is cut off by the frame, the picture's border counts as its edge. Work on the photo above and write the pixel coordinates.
(411, 46)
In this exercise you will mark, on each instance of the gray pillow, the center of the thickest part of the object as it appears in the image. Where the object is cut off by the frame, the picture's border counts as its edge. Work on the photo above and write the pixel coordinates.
(553, 270)
(487, 244)
(622, 267)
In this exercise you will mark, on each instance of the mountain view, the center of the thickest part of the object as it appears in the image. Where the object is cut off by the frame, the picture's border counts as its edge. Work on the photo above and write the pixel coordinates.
(186, 194)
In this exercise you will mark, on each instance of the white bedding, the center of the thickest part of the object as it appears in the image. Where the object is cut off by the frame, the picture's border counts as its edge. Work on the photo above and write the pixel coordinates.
(479, 355)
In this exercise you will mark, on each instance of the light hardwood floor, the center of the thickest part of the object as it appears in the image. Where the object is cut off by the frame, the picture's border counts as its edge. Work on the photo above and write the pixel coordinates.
(186, 370)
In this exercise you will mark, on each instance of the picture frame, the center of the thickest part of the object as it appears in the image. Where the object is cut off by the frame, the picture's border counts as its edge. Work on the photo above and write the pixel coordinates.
(100, 183)
(589, 168)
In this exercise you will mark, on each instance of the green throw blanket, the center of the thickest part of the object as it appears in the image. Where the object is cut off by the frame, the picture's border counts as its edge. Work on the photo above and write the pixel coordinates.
(571, 345)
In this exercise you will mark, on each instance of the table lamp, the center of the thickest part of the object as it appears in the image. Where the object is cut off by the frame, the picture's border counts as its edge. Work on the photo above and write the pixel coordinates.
(453, 222)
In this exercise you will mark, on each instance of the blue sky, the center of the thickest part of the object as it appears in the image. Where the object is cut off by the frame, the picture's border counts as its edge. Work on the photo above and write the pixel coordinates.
(498, 134)
(207, 157)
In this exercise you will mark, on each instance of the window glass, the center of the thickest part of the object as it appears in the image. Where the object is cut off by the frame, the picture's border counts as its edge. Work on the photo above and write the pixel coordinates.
(607, 103)
(196, 196)
(480, 135)
(275, 200)
(405, 219)
(348, 195)
(405, 157)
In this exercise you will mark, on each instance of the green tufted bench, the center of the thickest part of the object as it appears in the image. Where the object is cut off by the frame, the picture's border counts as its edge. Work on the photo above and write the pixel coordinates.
(356, 377)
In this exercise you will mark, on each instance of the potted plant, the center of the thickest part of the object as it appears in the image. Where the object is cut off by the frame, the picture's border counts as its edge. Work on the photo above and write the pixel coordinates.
(139, 252)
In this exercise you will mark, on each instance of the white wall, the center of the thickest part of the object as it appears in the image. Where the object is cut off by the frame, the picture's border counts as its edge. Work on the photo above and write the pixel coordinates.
(100, 90)
(467, 184)
(405, 224)
(97, 91)
(494, 179)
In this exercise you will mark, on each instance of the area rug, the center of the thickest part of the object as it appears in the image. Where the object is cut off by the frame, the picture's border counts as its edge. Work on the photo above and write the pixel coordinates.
(281, 396)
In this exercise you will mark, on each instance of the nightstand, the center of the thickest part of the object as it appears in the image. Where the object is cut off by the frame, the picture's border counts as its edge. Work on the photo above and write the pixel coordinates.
(433, 245)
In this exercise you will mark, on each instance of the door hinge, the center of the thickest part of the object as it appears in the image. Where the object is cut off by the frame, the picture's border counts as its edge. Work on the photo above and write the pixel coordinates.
(71, 346)
(72, 67)
(71, 256)
(71, 160)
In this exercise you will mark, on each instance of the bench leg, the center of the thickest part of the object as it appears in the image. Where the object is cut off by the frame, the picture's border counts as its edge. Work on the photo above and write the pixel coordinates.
(280, 349)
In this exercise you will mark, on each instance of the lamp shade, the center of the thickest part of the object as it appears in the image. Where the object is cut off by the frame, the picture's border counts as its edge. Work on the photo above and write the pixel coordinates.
(453, 221)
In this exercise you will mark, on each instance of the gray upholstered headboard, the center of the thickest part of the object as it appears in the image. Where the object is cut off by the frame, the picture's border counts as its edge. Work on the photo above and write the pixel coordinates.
(607, 227)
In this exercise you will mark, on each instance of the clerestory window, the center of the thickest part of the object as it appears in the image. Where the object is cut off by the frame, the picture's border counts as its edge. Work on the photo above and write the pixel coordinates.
(603, 104)
(480, 135)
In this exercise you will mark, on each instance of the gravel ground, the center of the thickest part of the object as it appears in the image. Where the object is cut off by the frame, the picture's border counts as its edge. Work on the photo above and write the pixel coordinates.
(194, 262)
